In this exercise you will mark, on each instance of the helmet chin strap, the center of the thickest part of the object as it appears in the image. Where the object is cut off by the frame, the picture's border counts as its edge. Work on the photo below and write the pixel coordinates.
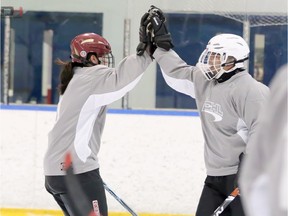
(234, 62)
(233, 69)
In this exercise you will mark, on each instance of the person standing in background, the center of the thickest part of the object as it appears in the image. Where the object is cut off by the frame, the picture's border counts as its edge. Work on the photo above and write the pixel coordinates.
(88, 84)
(263, 178)
(228, 100)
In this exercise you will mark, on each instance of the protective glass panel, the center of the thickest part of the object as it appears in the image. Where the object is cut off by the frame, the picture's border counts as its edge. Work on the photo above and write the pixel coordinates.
(37, 39)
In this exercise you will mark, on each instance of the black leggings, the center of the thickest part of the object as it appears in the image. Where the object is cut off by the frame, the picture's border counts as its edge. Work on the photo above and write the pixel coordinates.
(91, 184)
(215, 191)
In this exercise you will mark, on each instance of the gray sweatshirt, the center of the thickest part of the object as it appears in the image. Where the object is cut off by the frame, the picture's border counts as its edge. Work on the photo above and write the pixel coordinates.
(229, 111)
(82, 110)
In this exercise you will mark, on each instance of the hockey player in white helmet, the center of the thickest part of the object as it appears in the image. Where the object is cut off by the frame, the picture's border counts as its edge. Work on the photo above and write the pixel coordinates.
(228, 100)
(88, 83)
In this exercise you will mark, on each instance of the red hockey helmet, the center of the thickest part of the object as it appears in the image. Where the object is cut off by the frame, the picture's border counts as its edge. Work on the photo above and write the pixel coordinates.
(84, 44)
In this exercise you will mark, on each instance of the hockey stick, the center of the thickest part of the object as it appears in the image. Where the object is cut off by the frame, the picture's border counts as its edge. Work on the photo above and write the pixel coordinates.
(119, 200)
(226, 202)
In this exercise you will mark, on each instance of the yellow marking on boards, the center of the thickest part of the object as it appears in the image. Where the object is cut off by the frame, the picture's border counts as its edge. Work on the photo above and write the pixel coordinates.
(42, 212)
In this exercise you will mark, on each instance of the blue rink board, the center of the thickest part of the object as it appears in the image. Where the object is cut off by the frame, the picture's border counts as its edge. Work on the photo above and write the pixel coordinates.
(110, 111)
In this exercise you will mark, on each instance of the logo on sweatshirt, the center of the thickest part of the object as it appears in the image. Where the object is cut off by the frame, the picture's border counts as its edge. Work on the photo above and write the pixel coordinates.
(214, 109)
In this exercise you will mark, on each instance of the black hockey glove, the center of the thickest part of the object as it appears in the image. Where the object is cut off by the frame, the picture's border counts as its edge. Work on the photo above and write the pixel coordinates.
(154, 11)
(241, 156)
(160, 35)
(143, 36)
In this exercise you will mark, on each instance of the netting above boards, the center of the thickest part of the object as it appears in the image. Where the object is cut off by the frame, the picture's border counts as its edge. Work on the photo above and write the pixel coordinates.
(257, 20)
(253, 12)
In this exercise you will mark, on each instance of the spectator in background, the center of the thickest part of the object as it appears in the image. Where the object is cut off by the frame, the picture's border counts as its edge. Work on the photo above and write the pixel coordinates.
(87, 85)
(263, 179)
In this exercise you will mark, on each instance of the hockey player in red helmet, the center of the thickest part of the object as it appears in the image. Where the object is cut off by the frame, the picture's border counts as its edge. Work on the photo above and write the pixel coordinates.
(87, 44)
(88, 83)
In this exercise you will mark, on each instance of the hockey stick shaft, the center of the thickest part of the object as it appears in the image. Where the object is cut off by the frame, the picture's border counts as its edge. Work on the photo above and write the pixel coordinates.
(119, 200)
(226, 202)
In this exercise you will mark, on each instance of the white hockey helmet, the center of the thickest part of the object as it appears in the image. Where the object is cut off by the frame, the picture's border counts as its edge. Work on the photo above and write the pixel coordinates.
(223, 50)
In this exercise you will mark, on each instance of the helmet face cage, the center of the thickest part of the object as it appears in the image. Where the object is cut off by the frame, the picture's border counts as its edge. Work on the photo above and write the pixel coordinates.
(107, 59)
(210, 63)
(222, 50)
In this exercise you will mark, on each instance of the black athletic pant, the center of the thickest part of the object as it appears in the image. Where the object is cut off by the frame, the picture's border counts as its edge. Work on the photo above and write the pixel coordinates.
(215, 191)
(92, 186)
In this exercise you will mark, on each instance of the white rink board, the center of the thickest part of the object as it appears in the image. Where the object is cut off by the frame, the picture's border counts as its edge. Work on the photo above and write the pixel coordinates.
(153, 162)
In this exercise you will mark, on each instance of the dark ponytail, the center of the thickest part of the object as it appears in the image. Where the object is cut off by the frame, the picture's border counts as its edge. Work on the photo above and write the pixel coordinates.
(66, 74)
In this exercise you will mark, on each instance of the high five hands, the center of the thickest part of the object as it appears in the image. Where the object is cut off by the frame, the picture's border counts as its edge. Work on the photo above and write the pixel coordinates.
(153, 32)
